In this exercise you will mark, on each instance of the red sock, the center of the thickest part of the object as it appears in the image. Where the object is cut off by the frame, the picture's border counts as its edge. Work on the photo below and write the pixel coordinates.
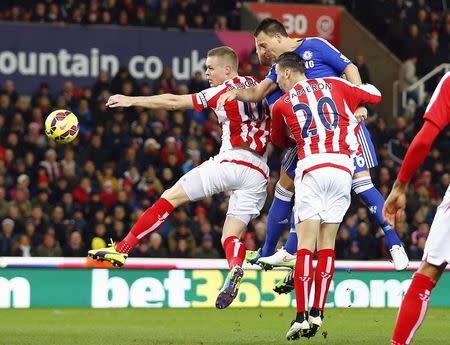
(413, 309)
(234, 251)
(303, 275)
(148, 222)
(323, 277)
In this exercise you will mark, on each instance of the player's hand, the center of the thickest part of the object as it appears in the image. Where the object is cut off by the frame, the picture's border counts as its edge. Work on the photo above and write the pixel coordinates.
(226, 97)
(395, 204)
(361, 114)
(118, 101)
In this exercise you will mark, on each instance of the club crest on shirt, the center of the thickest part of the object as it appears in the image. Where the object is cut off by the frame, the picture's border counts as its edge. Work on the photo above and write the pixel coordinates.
(307, 55)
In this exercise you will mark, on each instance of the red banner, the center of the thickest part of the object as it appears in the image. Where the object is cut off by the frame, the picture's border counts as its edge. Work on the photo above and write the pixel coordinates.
(303, 20)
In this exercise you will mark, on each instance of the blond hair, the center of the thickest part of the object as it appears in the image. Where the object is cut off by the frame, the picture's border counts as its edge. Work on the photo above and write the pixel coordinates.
(226, 53)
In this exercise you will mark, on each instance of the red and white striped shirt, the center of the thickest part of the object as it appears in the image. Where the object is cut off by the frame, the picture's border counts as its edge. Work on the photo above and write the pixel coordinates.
(319, 113)
(243, 123)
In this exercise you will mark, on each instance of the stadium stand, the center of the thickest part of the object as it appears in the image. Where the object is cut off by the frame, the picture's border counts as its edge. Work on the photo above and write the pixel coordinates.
(63, 200)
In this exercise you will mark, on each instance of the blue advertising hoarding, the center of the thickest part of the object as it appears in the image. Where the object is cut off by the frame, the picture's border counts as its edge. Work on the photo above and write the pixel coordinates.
(35, 53)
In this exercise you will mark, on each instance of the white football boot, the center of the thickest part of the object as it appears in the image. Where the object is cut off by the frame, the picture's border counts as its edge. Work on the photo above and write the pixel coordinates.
(399, 257)
(297, 330)
(280, 259)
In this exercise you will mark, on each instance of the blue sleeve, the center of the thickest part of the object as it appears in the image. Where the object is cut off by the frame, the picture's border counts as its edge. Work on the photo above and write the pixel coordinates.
(274, 96)
(272, 75)
(331, 56)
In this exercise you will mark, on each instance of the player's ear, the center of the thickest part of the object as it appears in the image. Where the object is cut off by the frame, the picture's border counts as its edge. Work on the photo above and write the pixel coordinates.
(228, 70)
(278, 37)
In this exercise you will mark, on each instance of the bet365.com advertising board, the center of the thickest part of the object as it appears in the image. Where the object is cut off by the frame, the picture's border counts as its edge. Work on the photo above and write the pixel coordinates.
(181, 288)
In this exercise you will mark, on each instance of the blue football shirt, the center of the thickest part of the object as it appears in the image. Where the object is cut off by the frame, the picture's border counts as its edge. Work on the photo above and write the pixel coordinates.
(321, 60)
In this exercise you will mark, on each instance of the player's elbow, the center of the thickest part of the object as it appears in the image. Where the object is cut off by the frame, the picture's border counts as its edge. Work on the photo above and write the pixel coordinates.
(351, 68)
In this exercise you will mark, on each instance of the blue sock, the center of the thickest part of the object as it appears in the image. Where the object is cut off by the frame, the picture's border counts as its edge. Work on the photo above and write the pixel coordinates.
(364, 187)
(277, 219)
(291, 243)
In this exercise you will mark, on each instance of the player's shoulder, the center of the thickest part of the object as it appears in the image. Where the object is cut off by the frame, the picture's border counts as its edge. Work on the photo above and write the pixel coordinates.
(282, 102)
(446, 80)
(337, 81)
(242, 82)
(318, 41)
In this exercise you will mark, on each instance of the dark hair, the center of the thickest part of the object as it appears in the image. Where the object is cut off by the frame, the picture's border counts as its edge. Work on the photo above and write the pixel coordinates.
(291, 60)
(270, 27)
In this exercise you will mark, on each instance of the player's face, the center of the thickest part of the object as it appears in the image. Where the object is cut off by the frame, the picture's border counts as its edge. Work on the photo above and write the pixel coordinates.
(267, 48)
(216, 70)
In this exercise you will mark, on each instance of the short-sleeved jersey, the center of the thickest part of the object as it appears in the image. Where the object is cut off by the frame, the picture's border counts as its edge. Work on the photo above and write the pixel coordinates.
(322, 59)
(438, 110)
(319, 113)
(243, 123)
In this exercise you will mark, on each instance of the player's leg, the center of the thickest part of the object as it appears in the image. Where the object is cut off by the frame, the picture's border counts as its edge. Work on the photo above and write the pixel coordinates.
(323, 274)
(286, 284)
(291, 243)
(363, 186)
(195, 185)
(414, 306)
(234, 248)
(436, 256)
(307, 232)
(147, 223)
(285, 256)
(336, 201)
(249, 192)
(280, 210)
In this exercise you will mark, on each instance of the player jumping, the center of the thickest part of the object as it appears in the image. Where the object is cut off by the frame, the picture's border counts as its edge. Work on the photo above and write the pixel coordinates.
(319, 113)
(239, 168)
(321, 60)
(437, 248)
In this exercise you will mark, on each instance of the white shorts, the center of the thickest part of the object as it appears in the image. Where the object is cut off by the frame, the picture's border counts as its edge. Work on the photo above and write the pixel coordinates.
(238, 171)
(437, 248)
(323, 193)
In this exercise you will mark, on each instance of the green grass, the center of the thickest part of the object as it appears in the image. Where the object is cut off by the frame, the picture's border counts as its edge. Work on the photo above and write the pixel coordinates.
(205, 327)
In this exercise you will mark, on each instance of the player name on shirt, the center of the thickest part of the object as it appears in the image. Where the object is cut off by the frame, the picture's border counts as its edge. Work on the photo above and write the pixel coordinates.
(314, 88)
(242, 85)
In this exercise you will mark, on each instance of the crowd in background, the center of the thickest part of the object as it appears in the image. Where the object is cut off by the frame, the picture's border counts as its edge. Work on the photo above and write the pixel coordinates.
(181, 14)
(65, 199)
(416, 31)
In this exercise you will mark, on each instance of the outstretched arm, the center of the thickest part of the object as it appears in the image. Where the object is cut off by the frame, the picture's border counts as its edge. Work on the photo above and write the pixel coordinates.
(166, 101)
(251, 94)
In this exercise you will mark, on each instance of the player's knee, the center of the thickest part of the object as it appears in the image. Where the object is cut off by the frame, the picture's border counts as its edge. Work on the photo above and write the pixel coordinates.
(175, 195)
(363, 173)
(286, 181)
(362, 183)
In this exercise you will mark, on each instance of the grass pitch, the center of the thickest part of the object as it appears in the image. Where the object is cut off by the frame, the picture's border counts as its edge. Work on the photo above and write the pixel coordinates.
(205, 327)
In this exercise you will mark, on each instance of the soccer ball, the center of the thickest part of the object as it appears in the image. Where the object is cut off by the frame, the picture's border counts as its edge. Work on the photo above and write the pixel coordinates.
(61, 126)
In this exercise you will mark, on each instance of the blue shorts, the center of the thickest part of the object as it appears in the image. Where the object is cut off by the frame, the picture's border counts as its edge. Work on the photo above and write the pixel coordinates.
(366, 160)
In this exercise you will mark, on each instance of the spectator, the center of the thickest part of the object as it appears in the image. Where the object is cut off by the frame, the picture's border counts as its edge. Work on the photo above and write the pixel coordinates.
(75, 245)
(362, 67)
(206, 249)
(22, 247)
(51, 165)
(49, 246)
(6, 237)
(181, 232)
(407, 75)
